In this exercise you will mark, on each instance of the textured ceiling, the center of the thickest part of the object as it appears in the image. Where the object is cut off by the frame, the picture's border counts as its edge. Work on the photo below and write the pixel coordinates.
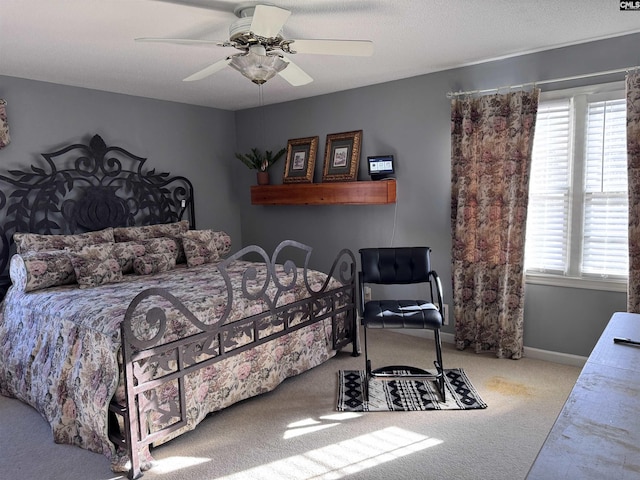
(90, 43)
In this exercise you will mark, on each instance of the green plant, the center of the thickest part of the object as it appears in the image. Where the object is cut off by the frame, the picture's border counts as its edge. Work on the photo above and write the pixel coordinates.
(256, 160)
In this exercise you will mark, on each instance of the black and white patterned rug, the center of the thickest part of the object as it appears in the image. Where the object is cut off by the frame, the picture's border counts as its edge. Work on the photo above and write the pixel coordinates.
(405, 395)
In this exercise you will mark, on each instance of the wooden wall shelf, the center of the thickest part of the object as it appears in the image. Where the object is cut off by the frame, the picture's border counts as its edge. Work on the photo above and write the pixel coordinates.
(379, 192)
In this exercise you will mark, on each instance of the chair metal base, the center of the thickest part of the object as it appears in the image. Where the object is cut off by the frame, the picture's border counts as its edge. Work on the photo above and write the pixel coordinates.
(391, 372)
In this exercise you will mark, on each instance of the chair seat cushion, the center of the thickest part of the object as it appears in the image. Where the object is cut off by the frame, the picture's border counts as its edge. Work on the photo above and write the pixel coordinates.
(401, 314)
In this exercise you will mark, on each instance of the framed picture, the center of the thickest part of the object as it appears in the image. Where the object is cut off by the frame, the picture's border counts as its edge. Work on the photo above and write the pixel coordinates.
(342, 157)
(301, 160)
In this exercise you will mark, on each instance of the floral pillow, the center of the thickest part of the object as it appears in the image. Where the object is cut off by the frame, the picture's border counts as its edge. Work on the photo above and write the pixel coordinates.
(200, 247)
(37, 270)
(126, 253)
(128, 234)
(160, 245)
(95, 265)
(223, 243)
(146, 232)
(35, 242)
(154, 263)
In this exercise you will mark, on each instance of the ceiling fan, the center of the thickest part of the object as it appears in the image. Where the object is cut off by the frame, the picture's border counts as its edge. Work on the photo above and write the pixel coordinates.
(257, 33)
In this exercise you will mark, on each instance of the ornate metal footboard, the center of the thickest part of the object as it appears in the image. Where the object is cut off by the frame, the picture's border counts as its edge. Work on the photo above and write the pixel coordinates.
(151, 362)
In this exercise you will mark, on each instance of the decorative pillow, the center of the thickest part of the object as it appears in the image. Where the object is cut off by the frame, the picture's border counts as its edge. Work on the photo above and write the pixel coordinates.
(37, 270)
(95, 265)
(200, 247)
(35, 242)
(126, 253)
(128, 234)
(154, 263)
(160, 245)
(223, 243)
(146, 232)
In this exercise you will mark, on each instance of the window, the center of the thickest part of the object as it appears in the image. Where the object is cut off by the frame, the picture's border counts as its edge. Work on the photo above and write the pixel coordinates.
(578, 208)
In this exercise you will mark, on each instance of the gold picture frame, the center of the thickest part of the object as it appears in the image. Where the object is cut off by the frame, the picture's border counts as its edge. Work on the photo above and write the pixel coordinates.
(301, 160)
(342, 157)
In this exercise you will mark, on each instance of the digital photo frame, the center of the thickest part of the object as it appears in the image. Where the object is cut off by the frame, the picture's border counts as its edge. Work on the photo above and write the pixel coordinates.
(380, 166)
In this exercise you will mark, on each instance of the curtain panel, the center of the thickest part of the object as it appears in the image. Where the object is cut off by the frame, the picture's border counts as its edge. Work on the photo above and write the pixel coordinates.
(491, 145)
(633, 161)
(5, 138)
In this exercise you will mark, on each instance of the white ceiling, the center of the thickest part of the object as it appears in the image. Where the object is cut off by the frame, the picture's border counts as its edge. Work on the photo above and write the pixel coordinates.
(90, 43)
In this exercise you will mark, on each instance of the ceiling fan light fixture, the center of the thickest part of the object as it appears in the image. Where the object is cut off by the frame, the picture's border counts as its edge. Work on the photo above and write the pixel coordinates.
(258, 68)
(257, 33)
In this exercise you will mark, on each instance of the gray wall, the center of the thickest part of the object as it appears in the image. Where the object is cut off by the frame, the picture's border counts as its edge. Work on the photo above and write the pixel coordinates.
(410, 119)
(195, 142)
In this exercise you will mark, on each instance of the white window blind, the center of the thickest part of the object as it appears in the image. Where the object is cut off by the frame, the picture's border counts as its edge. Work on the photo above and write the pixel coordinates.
(577, 221)
(546, 248)
(605, 250)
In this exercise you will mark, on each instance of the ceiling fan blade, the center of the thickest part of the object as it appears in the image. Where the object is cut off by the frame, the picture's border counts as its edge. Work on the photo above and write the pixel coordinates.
(210, 70)
(294, 74)
(354, 48)
(268, 20)
(180, 41)
(206, 4)
(308, 6)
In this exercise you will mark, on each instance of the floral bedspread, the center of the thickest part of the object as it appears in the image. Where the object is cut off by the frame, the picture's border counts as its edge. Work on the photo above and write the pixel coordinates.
(59, 350)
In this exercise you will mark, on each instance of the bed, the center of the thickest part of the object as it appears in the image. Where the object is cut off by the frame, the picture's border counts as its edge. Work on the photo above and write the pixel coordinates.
(125, 326)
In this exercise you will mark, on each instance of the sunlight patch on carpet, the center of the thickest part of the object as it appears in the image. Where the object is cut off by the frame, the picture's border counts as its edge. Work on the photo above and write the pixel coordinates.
(341, 416)
(171, 464)
(344, 458)
(304, 430)
(310, 425)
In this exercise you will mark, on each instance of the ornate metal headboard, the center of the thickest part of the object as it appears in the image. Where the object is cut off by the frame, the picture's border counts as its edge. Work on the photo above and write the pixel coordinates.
(83, 188)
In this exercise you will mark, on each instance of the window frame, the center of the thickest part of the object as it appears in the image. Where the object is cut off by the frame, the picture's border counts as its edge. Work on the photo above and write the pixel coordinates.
(580, 97)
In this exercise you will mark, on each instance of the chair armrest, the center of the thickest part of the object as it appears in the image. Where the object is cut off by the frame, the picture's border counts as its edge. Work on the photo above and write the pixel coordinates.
(439, 293)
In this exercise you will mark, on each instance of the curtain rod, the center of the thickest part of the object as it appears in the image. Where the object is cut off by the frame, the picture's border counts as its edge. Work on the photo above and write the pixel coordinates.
(542, 82)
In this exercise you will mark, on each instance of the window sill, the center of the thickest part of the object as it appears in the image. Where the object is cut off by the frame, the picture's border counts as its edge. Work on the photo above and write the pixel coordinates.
(617, 285)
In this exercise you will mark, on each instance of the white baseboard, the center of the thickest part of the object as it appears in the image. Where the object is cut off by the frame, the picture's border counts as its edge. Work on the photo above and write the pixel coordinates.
(529, 352)
(556, 357)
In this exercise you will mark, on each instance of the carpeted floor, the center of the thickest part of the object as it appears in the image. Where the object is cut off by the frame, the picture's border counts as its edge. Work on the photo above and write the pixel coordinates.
(296, 432)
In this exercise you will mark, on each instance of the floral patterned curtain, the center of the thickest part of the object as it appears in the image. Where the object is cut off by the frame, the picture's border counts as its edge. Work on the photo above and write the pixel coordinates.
(633, 160)
(491, 144)
(5, 138)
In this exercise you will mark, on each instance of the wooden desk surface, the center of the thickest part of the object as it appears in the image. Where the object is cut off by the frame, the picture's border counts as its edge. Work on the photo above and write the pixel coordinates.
(597, 434)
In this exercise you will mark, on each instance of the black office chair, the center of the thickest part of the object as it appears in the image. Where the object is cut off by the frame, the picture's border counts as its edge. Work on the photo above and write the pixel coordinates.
(395, 266)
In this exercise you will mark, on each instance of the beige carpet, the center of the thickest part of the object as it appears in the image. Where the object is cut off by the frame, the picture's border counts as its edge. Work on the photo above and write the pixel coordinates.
(296, 433)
